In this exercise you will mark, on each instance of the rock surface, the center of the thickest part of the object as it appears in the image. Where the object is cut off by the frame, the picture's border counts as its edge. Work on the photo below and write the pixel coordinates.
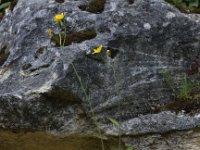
(39, 88)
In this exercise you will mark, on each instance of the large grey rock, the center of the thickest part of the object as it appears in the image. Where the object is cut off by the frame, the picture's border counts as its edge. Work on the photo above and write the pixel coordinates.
(39, 89)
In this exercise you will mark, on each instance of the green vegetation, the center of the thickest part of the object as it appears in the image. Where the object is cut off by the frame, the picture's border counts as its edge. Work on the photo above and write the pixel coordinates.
(117, 125)
(186, 6)
(6, 4)
(186, 90)
(130, 148)
(3, 6)
(182, 89)
(115, 122)
(63, 38)
(185, 3)
(198, 141)
(62, 35)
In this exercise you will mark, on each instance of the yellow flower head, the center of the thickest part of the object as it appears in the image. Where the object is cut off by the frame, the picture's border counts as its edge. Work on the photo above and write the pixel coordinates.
(59, 17)
(97, 50)
(50, 33)
(108, 52)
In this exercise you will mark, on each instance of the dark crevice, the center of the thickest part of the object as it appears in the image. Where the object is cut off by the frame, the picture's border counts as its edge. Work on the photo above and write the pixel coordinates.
(190, 107)
(113, 52)
(29, 69)
(41, 67)
(3, 55)
(131, 1)
(39, 52)
(26, 66)
(94, 6)
(194, 67)
(83, 7)
(76, 37)
(61, 96)
(60, 1)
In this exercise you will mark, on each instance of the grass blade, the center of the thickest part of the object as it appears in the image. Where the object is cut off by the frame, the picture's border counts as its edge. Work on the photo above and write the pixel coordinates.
(5, 5)
(115, 122)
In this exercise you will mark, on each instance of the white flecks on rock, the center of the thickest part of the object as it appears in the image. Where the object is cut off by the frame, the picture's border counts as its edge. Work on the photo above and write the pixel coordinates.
(55, 75)
(147, 26)
(18, 96)
(5, 75)
(170, 15)
(57, 54)
(113, 6)
(65, 66)
(69, 19)
(121, 14)
(195, 17)
(165, 24)
(83, 46)
(27, 10)
(44, 88)
(113, 30)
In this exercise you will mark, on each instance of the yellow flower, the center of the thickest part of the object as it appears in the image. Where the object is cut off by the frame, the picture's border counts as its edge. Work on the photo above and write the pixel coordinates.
(97, 50)
(59, 17)
(108, 52)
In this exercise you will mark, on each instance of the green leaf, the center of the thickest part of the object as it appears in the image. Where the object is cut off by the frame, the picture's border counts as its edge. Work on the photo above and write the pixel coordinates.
(194, 3)
(177, 3)
(5, 5)
(130, 148)
(115, 122)
(186, 89)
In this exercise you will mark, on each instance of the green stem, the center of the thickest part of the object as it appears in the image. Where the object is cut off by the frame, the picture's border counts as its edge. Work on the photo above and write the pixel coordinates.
(60, 38)
(90, 104)
(65, 32)
(115, 78)
(83, 89)
(114, 72)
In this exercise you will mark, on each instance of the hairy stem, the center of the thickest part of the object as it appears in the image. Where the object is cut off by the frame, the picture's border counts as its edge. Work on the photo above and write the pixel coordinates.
(115, 78)
(84, 91)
